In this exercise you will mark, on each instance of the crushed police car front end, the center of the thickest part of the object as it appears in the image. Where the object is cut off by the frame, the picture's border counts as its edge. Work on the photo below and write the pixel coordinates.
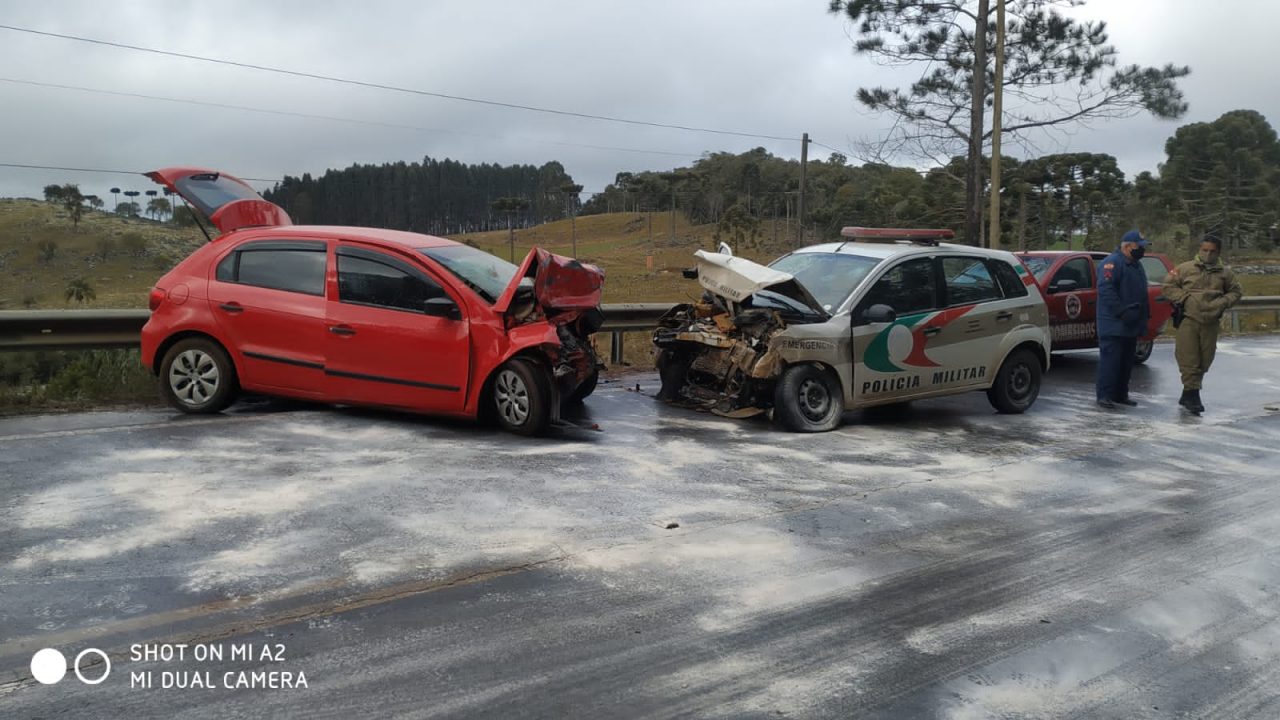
(723, 353)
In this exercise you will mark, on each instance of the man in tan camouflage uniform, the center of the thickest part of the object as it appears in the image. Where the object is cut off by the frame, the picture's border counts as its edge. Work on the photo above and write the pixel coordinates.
(1205, 289)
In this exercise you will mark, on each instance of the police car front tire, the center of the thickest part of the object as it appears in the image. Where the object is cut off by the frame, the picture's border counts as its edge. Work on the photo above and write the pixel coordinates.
(808, 399)
(1017, 385)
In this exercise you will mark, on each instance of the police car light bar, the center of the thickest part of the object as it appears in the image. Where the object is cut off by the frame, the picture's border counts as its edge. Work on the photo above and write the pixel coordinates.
(889, 235)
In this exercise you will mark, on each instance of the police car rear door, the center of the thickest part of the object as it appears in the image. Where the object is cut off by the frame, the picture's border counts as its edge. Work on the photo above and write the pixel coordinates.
(966, 331)
(889, 361)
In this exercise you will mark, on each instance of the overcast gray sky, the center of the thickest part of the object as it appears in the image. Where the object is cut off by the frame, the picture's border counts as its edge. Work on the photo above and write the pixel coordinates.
(778, 67)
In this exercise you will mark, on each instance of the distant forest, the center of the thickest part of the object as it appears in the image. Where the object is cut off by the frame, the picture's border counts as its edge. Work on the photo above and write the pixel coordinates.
(1221, 176)
(438, 197)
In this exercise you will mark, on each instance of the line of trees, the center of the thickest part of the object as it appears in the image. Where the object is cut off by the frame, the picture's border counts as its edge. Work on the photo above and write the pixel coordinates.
(1221, 176)
(434, 196)
(70, 197)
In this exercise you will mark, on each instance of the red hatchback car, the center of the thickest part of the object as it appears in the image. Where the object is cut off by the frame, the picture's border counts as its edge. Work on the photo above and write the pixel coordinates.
(365, 316)
(1068, 281)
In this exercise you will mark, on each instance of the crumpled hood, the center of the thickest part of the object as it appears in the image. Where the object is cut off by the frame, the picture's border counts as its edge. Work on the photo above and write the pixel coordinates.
(559, 282)
(735, 278)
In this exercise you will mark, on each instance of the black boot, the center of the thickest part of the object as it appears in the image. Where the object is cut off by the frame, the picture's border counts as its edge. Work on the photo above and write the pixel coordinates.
(1185, 401)
(1196, 406)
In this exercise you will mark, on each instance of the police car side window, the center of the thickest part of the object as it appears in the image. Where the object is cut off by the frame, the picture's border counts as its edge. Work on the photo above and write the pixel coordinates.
(1010, 283)
(969, 281)
(907, 288)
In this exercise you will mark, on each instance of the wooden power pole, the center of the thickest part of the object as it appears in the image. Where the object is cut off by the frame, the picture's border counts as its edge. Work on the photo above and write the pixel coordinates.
(978, 96)
(804, 166)
(993, 235)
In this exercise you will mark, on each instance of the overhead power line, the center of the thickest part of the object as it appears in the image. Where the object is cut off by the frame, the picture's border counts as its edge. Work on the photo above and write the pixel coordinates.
(394, 88)
(375, 123)
(821, 145)
(103, 170)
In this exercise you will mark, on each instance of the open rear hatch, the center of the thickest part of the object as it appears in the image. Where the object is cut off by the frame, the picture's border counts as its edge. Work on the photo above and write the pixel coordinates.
(228, 202)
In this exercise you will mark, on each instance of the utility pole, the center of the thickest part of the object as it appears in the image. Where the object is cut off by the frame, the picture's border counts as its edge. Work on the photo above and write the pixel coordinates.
(973, 179)
(572, 191)
(993, 235)
(804, 163)
(671, 237)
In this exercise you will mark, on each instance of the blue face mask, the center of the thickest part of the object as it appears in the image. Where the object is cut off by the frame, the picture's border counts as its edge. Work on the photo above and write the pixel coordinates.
(1139, 252)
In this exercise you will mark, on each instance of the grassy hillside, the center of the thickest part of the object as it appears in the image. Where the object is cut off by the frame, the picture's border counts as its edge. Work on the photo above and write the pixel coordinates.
(98, 251)
(620, 244)
(120, 258)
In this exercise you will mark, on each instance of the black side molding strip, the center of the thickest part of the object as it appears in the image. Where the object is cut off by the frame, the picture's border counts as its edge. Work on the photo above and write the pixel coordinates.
(285, 361)
(392, 381)
(353, 376)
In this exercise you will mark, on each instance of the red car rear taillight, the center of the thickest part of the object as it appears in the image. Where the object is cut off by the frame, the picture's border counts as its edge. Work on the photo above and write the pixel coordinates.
(157, 297)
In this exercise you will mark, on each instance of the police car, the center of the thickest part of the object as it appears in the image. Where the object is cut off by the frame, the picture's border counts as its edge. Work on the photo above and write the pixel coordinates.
(885, 316)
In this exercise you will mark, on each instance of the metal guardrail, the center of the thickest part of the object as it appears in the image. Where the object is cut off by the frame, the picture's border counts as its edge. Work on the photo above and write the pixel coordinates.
(1254, 303)
(70, 329)
(103, 329)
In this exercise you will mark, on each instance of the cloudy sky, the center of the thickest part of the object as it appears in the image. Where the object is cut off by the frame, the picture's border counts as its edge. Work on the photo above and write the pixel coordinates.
(777, 68)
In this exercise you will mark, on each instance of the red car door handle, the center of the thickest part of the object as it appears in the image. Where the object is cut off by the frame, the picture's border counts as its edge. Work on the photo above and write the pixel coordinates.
(930, 332)
(232, 307)
(341, 330)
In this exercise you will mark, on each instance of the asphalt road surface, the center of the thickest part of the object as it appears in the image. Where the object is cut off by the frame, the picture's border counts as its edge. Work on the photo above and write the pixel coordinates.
(941, 561)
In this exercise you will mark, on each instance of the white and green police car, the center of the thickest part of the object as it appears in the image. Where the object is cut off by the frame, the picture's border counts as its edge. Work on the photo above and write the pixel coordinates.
(887, 316)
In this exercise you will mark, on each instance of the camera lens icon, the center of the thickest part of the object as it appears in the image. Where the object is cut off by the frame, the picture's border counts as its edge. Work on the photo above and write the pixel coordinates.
(49, 666)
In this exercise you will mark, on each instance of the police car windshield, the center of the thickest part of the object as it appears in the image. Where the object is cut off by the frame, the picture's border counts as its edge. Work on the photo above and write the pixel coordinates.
(829, 277)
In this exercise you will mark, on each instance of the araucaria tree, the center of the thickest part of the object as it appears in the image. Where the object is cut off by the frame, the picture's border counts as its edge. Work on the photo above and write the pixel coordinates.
(1223, 177)
(1058, 72)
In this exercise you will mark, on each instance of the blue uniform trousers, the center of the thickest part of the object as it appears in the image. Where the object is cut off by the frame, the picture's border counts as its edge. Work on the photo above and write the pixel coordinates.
(1115, 365)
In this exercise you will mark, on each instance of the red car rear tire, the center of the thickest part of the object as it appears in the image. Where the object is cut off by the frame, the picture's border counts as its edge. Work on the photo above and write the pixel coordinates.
(198, 377)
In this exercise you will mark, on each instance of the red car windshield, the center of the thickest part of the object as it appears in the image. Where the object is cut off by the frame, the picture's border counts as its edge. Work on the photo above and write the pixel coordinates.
(488, 275)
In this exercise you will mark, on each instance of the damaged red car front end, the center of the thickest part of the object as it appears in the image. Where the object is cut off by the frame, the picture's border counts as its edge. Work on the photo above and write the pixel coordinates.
(566, 293)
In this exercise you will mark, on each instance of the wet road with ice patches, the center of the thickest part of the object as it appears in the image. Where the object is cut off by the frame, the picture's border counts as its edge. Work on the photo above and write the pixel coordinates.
(941, 561)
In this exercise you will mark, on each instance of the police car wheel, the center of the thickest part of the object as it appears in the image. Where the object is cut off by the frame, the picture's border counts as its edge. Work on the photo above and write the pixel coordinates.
(1145, 348)
(1017, 384)
(808, 399)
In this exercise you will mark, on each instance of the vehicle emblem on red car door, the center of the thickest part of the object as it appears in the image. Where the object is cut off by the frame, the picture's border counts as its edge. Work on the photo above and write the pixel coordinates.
(1073, 306)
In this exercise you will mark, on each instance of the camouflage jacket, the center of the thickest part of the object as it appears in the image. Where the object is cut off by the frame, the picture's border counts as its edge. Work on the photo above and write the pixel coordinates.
(1205, 291)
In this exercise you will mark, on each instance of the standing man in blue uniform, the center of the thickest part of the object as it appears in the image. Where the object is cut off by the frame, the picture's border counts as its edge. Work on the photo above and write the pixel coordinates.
(1124, 310)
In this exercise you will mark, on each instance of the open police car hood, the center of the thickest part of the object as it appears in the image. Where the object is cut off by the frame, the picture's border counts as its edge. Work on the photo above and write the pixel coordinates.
(735, 278)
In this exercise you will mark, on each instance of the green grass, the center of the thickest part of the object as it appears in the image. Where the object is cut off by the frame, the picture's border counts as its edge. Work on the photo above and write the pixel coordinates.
(44, 381)
(620, 243)
(1260, 284)
(120, 279)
